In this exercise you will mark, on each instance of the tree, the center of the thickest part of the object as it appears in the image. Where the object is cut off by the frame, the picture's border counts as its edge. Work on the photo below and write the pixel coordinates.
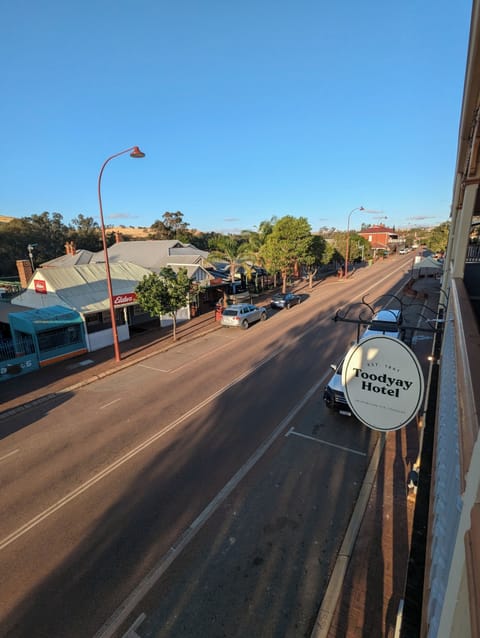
(438, 238)
(288, 245)
(158, 230)
(85, 233)
(230, 250)
(315, 257)
(172, 227)
(46, 233)
(271, 258)
(164, 293)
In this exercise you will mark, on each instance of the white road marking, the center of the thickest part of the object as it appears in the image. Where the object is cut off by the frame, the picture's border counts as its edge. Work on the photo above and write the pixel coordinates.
(55, 507)
(6, 456)
(131, 632)
(126, 608)
(312, 438)
(143, 365)
(107, 405)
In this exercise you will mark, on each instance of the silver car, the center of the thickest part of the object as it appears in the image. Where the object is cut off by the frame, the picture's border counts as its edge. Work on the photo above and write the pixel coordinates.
(242, 315)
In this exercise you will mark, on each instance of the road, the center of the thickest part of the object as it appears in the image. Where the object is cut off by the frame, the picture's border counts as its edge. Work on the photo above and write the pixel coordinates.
(203, 492)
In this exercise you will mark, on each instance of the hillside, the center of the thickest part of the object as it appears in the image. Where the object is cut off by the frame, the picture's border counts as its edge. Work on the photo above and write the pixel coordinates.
(127, 231)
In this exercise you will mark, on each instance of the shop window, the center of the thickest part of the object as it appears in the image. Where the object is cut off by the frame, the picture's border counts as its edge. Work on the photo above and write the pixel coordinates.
(101, 320)
(59, 338)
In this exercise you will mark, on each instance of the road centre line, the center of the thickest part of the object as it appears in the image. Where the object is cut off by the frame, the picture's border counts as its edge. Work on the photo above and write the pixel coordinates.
(312, 438)
(70, 496)
(128, 605)
(9, 454)
(140, 448)
(107, 405)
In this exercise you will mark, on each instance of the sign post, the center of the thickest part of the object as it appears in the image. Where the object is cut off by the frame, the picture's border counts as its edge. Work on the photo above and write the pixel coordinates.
(383, 383)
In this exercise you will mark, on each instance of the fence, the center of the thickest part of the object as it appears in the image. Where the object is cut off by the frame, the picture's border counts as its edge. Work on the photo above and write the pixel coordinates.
(25, 345)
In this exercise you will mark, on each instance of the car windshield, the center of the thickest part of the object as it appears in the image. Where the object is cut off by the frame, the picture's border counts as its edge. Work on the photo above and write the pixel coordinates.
(383, 326)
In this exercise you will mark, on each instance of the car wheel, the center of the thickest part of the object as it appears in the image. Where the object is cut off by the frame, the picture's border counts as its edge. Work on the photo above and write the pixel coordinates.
(287, 306)
(263, 316)
(244, 324)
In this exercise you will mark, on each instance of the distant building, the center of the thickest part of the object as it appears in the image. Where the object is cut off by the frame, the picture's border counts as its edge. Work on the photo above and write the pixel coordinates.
(380, 237)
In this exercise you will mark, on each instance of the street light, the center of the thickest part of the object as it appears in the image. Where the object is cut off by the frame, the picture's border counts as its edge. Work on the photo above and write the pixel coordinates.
(134, 152)
(348, 237)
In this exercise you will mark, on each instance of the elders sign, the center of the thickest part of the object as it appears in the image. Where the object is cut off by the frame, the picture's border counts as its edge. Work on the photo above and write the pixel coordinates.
(383, 383)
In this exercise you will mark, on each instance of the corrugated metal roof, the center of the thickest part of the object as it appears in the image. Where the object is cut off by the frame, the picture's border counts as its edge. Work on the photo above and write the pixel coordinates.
(6, 308)
(184, 259)
(80, 258)
(84, 288)
(153, 254)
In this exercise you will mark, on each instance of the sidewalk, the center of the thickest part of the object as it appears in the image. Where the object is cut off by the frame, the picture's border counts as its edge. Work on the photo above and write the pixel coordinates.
(374, 581)
(373, 587)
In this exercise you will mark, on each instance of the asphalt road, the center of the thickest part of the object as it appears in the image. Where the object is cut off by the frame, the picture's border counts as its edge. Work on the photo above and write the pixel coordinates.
(202, 492)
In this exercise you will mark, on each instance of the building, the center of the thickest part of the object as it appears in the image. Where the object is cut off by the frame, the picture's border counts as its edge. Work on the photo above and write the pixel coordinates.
(84, 289)
(445, 559)
(380, 238)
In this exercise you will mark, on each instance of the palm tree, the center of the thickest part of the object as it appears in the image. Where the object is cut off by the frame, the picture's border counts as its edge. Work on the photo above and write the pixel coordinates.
(231, 251)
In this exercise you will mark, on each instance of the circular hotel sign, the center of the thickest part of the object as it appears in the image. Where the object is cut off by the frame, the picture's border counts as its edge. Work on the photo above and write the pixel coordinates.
(383, 382)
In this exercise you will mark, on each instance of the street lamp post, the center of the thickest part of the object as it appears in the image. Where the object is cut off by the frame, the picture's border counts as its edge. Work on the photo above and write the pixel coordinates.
(134, 152)
(348, 237)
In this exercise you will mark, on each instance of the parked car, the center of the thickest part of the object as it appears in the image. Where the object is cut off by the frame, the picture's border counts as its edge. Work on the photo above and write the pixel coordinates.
(285, 300)
(386, 322)
(242, 315)
(334, 392)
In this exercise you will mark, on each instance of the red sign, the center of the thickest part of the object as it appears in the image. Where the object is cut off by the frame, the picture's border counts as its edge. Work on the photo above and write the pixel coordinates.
(123, 300)
(40, 286)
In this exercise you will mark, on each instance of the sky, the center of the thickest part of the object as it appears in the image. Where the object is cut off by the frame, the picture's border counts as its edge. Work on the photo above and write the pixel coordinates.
(245, 110)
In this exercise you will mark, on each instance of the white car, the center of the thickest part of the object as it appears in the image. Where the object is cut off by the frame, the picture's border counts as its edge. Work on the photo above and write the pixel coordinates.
(334, 392)
(242, 315)
(385, 322)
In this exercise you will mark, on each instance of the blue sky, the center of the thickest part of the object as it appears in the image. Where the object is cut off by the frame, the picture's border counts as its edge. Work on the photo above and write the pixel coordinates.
(245, 111)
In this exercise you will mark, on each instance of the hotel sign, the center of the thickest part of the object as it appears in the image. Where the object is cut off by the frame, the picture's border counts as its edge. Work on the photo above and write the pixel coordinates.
(383, 382)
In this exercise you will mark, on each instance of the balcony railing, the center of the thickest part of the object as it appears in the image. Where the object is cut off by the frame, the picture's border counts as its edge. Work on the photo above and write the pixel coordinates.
(454, 519)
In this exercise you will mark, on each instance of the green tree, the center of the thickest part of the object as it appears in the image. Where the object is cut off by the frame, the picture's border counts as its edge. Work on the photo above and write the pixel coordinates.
(226, 248)
(315, 258)
(45, 232)
(288, 245)
(271, 259)
(265, 228)
(437, 239)
(85, 233)
(164, 293)
(158, 230)
(171, 226)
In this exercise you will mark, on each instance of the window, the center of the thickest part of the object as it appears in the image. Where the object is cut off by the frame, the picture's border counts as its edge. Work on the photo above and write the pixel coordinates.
(59, 338)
